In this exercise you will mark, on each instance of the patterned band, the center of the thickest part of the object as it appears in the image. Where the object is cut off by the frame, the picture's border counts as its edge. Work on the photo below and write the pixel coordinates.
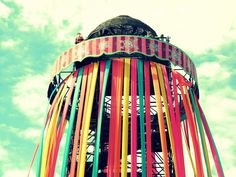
(126, 44)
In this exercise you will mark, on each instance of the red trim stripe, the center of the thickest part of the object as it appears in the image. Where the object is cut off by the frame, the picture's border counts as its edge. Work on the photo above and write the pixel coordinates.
(114, 44)
(143, 45)
(119, 43)
(109, 43)
(160, 49)
(148, 47)
(97, 46)
(127, 44)
(156, 49)
(90, 48)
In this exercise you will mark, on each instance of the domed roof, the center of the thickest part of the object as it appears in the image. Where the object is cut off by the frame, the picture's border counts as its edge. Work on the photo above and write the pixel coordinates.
(122, 25)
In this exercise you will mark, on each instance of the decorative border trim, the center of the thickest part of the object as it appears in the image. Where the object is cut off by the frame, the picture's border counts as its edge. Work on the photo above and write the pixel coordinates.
(110, 45)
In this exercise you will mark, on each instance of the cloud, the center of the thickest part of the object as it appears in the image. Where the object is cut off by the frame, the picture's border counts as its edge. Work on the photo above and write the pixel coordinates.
(216, 71)
(216, 67)
(180, 20)
(230, 171)
(219, 107)
(193, 25)
(218, 100)
(30, 96)
(9, 43)
(3, 153)
(41, 15)
(225, 146)
(31, 133)
(27, 133)
(17, 172)
(37, 13)
(213, 70)
(4, 11)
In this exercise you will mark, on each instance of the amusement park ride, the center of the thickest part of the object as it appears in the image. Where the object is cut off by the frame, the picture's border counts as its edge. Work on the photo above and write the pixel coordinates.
(126, 102)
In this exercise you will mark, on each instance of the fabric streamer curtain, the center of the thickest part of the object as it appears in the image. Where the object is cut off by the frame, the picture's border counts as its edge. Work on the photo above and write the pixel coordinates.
(115, 114)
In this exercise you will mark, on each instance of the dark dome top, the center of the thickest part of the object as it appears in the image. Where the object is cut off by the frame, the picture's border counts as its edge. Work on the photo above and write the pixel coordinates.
(122, 25)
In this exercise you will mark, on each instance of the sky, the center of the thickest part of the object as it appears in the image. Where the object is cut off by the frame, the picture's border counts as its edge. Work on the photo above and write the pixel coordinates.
(34, 33)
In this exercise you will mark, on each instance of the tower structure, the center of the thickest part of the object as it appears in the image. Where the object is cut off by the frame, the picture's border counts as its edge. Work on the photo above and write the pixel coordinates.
(125, 101)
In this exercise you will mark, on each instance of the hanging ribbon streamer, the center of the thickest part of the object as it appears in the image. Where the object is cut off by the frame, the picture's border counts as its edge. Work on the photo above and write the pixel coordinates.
(133, 117)
(115, 119)
(141, 112)
(61, 126)
(71, 124)
(214, 151)
(160, 118)
(125, 118)
(55, 101)
(200, 128)
(87, 118)
(176, 138)
(148, 117)
(99, 124)
(38, 144)
(78, 122)
(110, 161)
(117, 144)
(178, 127)
(196, 142)
(188, 111)
(180, 119)
(164, 96)
(87, 96)
(190, 156)
(49, 134)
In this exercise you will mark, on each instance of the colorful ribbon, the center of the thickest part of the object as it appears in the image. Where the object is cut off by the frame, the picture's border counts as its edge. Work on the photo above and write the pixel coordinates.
(133, 87)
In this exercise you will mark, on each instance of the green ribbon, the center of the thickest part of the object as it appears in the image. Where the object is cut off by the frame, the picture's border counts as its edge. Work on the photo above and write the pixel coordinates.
(201, 131)
(99, 125)
(71, 122)
(141, 110)
(38, 171)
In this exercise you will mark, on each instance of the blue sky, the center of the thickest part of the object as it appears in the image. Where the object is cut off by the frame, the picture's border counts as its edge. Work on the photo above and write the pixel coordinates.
(34, 33)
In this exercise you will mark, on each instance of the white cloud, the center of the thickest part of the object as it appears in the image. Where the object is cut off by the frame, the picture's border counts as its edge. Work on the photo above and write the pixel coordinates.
(39, 12)
(17, 172)
(219, 105)
(31, 133)
(193, 25)
(42, 13)
(8, 43)
(226, 145)
(4, 11)
(212, 70)
(30, 96)
(220, 108)
(230, 171)
(28, 133)
(3, 153)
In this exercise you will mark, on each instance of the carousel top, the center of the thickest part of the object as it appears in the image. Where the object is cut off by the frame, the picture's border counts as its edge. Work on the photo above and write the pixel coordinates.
(122, 25)
(124, 36)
